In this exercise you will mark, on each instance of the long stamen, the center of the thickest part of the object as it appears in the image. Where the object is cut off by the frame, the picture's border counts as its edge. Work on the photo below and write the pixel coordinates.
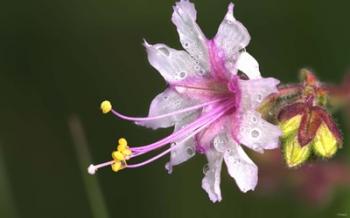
(195, 107)
(173, 137)
(199, 122)
(107, 107)
(172, 148)
(214, 115)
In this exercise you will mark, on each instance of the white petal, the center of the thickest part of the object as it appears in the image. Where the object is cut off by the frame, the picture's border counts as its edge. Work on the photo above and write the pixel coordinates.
(211, 180)
(167, 102)
(174, 65)
(191, 36)
(231, 37)
(254, 91)
(248, 65)
(256, 133)
(241, 168)
(182, 150)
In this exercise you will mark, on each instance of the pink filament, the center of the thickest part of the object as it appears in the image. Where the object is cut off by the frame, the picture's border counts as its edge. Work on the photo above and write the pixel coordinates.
(210, 121)
(195, 107)
(180, 133)
(195, 127)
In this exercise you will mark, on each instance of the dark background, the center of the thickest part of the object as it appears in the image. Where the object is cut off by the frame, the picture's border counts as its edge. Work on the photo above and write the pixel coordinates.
(60, 59)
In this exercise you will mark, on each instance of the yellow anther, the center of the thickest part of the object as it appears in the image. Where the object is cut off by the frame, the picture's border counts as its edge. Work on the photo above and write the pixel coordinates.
(106, 107)
(122, 148)
(116, 166)
(122, 141)
(117, 156)
(127, 152)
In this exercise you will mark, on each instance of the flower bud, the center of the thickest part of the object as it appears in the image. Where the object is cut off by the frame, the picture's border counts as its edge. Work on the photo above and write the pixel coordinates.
(294, 153)
(325, 143)
(307, 129)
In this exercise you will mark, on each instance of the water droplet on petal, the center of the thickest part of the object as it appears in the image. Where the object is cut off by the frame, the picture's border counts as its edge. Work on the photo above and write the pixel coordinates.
(230, 152)
(259, 97)
(202, 71)
(190, 151)
(242, 129)
(164, 50)
(229, 22)
(255, 133)
(182, 74)
(186, 44)
(206, 169)
(254, 119)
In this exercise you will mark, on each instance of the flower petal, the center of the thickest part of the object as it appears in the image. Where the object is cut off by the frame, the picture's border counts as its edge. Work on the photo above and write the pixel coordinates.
(230, 38)
(241, 168)
(206, 137)
(248, 65)
(191, 36)
(174, 65)
(167, 102)
(254, 91)
(182, 150)
(201, 89)
(256, 133)
(211, 180)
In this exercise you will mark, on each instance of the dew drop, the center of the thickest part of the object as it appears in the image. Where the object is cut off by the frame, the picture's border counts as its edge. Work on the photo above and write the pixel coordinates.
(197, 56)
(164, 50)
(219, 144)
(202, 71)
(206, 169)
(230, 151)
(254, 119)
(255, 133)
(182, 74)
(259, 97)
(190, 151)
(229, 22)
(242, 129)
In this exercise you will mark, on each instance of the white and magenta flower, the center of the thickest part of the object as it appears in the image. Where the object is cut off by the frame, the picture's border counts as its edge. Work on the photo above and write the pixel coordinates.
(211, 106)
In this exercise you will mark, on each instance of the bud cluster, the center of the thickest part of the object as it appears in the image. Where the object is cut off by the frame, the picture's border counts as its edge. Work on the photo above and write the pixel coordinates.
(302, 112)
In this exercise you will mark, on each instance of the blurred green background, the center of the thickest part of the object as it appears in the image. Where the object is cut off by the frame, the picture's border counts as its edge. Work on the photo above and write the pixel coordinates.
(60, 59)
